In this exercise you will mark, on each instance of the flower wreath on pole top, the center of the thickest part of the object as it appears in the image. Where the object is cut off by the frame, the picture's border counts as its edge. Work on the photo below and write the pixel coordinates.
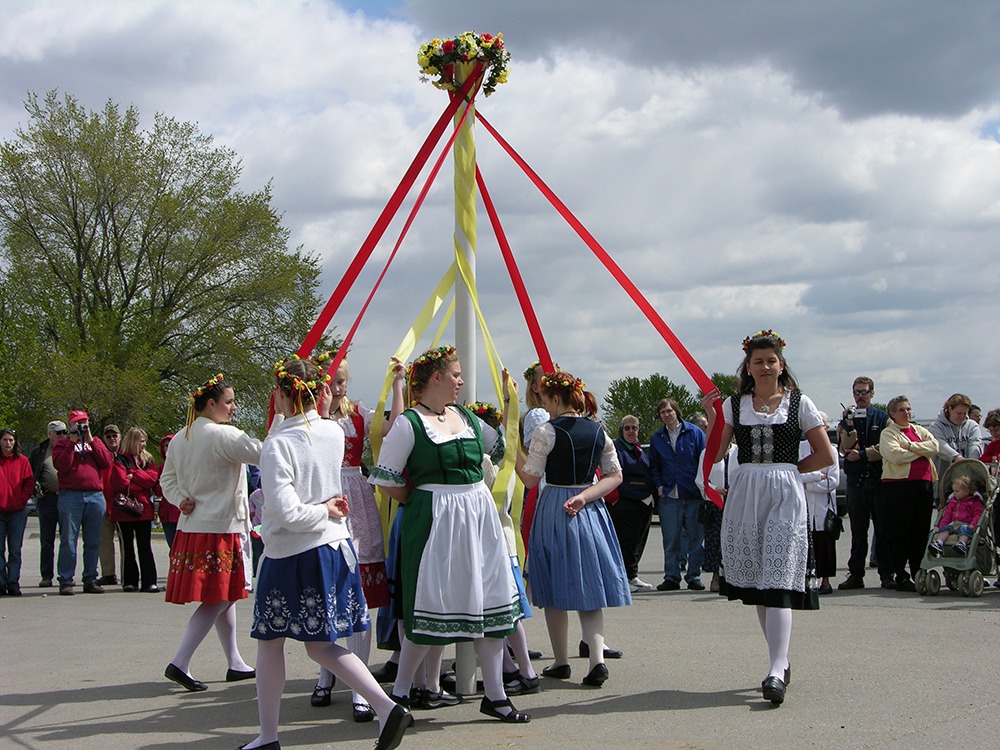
(437, 59)
(768, 334)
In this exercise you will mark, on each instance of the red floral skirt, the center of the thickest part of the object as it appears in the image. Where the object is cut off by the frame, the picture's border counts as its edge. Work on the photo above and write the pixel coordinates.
(206, 568)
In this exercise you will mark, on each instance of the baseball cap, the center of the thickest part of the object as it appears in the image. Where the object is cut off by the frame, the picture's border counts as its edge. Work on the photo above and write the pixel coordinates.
(56, 425)
(78, 416)
(112, 428)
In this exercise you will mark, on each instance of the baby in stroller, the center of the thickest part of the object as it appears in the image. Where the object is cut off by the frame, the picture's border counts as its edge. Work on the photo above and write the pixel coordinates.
(961, 514)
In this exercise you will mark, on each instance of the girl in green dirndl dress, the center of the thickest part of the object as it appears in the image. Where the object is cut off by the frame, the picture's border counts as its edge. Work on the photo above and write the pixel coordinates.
(456, 577)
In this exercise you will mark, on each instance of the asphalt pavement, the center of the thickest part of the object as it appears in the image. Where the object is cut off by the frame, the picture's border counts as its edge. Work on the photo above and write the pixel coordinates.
(871, 669)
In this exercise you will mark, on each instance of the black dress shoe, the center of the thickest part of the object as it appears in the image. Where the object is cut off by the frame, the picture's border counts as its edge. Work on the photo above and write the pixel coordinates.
(440, 699)
(513, 716)
(269, 746)
(696, 585)
(558, 672)
(515, 683)
(321, 696)
(235, 675)
(774, 690)
(362, 712)
(387, 672)
(668, 585)
(184, 680)
(534, 654)
(597, 676)
(609, 653)
(392, 734)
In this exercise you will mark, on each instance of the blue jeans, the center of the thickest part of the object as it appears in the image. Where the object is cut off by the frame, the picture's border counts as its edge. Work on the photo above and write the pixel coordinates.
(12, 525)
(80, 510)
(48, 522)
(676, 516)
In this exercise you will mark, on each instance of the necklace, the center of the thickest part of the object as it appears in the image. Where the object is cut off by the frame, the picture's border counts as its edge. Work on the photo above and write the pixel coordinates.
(571, 412)
(764, 408)
(440, 414)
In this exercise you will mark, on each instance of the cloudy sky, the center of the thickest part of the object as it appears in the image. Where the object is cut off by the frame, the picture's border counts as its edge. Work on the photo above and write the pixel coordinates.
(827, 169)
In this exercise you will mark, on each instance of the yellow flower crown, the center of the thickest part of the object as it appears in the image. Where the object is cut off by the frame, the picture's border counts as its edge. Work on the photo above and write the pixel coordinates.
(432, 355)
(295, 386)
(436, 57)
(530, 372)
(768, 334)
(563, 380)
(485, 408)
(200, 390)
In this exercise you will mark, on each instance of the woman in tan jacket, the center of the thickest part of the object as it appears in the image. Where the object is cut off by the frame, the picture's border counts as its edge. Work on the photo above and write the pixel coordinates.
(908, 476)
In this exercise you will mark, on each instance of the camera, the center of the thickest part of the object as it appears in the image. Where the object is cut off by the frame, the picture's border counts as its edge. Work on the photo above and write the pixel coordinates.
(858, 413)
(82, 428)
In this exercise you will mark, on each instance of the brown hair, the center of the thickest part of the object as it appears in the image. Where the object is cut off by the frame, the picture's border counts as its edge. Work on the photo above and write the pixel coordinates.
(420, 374)
(573, 398)
(865, 380)
(957, 399)
(672, 404)
(786, 380)
(992, 419)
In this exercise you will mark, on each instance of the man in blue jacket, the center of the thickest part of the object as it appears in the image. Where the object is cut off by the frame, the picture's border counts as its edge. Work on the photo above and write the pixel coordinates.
(673, 459)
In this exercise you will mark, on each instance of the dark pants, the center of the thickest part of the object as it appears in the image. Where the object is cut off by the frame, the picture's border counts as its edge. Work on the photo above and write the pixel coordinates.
(632, 520)
(136, 536)
(866, 505)
(48, 525)
(169, 529)
(712, 521)
(908, 507)
(825, 550)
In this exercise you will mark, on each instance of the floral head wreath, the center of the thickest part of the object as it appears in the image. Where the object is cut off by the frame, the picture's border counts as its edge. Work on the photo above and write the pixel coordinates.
(768, 334)
(562, 380)
(483, 409)
(294, 385)
(198, 393)
(530, 372)
(326, 358)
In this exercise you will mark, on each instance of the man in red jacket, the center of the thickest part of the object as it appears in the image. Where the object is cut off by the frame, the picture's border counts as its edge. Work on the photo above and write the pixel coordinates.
(80, 461)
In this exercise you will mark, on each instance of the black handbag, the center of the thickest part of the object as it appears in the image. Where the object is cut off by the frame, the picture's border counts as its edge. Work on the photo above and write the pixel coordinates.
(833, 524)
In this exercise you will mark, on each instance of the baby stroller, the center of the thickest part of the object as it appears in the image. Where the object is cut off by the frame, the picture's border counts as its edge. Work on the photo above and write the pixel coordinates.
(962, 572)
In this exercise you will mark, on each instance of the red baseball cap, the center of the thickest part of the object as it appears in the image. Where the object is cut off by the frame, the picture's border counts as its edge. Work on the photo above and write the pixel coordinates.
(78, 416)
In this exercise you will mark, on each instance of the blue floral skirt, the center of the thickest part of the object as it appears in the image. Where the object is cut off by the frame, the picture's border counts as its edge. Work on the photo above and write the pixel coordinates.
(312, 596)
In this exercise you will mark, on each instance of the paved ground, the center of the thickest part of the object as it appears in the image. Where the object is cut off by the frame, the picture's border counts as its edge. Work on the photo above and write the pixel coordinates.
(872, 669)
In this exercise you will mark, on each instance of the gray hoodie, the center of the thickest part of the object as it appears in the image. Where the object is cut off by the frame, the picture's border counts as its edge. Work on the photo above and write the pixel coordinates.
(955, 440)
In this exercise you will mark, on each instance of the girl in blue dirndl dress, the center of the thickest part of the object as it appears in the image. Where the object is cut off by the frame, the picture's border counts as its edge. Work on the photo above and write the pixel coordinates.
(309, 583)
(576, 563)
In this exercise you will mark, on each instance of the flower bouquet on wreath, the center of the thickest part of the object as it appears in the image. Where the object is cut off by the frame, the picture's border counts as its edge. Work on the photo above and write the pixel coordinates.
(438, 57)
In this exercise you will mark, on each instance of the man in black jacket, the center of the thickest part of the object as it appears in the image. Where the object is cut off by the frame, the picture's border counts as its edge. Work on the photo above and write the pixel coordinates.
(633, 511)
(47, 499)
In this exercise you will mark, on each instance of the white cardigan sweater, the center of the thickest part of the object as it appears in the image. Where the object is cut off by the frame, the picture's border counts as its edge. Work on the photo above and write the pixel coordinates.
(299, 472)
(208, 467)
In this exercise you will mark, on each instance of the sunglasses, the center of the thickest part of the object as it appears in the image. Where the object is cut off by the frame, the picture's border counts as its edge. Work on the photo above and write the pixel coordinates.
(61, 432)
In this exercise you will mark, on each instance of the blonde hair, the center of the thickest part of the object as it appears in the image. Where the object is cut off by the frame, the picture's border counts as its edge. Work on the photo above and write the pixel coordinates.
(346, 407)
(130, 445)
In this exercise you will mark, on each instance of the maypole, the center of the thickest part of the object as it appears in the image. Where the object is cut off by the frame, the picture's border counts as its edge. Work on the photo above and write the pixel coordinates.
(449, 64)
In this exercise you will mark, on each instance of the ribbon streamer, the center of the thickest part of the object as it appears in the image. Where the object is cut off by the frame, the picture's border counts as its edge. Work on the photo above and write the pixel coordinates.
(692, 367)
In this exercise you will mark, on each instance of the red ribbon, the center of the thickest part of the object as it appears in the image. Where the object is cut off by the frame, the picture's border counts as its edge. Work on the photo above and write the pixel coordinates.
(382, 223)
(523, 298)
(692, 367)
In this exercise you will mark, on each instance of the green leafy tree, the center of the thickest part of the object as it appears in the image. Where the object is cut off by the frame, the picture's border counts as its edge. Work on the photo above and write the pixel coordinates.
(639, 397)
(133, 269)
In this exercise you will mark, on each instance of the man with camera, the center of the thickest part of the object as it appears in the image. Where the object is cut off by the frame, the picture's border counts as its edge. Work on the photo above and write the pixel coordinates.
(80, 461)
(857, 438)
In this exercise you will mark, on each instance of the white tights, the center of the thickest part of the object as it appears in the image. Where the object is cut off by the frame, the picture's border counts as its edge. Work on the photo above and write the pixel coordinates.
(591, 625)
(221, 616)
(776, 623)
(359, 644)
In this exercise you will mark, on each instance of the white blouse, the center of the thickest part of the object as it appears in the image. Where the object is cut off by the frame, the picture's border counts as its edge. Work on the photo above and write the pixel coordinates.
(544, 440)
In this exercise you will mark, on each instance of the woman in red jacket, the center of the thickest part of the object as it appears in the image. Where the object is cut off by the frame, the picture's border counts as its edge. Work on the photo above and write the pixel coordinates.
(134, 474)
(16, 485)
(168, 512)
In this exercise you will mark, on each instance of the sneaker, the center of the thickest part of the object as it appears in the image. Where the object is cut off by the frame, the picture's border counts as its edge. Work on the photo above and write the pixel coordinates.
(852, 582)
(66, 589)
(669, 585)
(961, 548)
(45, 583)
(637, 584)
(936, 548)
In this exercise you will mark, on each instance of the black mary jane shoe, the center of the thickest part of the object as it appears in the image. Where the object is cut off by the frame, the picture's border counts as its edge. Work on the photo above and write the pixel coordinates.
(609, 653)
(787, 679)
(235, 675)
(362, 712)
(597, 676)
(321, 696)
(774, 690)
(515, 683)
(392, 734)
(558, 672)
(269, 746)
(387, 672)
(514, 716)
(184, 680)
